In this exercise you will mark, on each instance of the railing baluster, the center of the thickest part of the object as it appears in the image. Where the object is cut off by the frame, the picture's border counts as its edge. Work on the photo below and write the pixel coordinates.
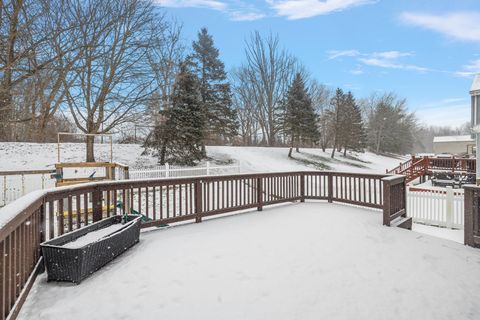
(154, 208)
(60, 217)
(77, 209)
(70, 213)
(51, 228)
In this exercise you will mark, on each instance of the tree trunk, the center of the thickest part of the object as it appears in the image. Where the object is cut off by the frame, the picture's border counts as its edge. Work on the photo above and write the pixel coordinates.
(271, 138)
(333, 150)
(345, 151)
(290, 152)
(90, 149)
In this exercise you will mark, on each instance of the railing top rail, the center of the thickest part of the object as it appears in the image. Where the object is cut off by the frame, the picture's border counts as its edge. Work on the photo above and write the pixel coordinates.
(25, 204)
(26, 172)
(85, 164)
(471, 187)
(12, 215)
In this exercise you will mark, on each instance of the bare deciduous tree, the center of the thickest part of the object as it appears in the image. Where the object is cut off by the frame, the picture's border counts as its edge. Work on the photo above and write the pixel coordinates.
(165, 54)
(111, 82)
(265, 78)
(321, 96)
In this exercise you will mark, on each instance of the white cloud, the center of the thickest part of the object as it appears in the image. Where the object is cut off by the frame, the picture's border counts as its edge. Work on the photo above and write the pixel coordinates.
(391, 64)
(391, 54)
(246, 16)
(470, 69)
(210, 4)
(299, 9)
(447, 112)
(383, 59)
(334, 54)
(236, 10)
(357, 71)
(457, 25)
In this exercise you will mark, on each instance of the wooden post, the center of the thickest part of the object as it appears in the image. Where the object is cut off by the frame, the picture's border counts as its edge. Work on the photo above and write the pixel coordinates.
(198, 200)
(96, 205)
(471, 216)
(259, 194)
(302, 187)
(330, 187)
(386, 203)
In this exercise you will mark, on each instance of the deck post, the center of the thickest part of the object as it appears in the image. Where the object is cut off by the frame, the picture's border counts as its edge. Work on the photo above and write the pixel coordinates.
(96, 205)
(386, 203)
(198, 200)
(259, 194)
(471, 218)
(330, 187)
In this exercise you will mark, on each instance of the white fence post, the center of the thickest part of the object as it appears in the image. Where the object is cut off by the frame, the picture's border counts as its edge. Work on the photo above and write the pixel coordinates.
(208, 168)
(4, 190)
(23, 184)
(449, 207)
(167, 170)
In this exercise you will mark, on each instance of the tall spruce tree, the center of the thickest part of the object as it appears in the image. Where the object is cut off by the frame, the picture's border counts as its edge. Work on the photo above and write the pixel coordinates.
(180, 134)
(336, 119)
(353, 131)
(221, 118)
(299, 121)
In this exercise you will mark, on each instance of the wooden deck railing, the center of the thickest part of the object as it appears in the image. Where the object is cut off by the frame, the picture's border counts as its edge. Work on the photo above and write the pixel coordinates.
(472, 216)
(421, 166)
(394, 204)
(161, 201)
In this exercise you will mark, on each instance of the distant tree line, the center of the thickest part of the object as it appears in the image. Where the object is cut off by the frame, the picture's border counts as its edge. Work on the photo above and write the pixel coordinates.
(103, 66)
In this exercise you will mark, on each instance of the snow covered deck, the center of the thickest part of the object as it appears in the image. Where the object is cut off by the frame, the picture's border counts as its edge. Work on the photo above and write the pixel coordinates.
(298, 261)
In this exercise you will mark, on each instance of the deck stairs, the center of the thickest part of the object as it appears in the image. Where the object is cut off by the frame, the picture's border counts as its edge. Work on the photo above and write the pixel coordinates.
(411, 169)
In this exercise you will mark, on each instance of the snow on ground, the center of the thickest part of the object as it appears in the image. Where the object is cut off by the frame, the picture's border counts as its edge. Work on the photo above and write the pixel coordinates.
(29, 156)
(445, 233)
(299, 261)
(276, 159)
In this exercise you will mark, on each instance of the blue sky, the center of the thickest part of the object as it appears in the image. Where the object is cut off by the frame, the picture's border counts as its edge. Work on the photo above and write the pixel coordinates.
(425, 50)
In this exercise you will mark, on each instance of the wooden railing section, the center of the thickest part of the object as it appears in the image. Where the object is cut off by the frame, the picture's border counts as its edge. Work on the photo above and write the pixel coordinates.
(163, 201)
(421, 166)
(394, 205)
(472, 216)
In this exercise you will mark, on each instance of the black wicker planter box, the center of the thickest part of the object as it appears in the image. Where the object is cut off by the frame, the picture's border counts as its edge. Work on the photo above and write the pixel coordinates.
(74, 264)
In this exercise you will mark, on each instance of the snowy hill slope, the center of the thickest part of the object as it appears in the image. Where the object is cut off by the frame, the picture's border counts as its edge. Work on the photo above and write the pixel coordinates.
(276, 159)
(29, 156)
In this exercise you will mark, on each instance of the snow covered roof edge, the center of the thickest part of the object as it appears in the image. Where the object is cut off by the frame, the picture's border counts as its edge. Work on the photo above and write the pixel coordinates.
(476, 83)
(464, 138)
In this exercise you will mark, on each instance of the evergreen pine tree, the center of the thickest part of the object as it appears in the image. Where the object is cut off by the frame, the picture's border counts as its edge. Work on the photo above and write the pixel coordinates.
(179, 136)
(336, 118)
(299, 121)
(221, 118)
(353, 131)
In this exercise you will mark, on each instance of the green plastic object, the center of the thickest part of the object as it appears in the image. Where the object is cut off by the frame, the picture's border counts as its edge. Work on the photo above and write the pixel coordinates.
(135, 212)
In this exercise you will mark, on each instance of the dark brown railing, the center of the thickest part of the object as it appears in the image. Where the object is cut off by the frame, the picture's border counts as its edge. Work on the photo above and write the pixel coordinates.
(394, 205)
(56, 211)
(472, 216)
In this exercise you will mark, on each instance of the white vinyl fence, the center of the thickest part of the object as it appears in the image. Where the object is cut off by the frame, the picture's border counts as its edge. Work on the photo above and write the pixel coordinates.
(436, 207)
(14, 185)
(168, 171)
